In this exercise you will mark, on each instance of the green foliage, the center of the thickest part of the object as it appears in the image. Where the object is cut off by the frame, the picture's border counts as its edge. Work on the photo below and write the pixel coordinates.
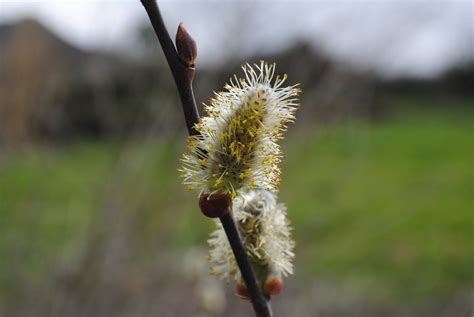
(386, 204)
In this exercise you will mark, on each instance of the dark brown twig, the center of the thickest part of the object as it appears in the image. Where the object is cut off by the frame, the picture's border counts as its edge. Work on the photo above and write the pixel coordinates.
(183, 75)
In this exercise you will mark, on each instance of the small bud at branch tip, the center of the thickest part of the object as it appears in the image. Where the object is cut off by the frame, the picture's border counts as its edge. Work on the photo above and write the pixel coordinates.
(186, 46)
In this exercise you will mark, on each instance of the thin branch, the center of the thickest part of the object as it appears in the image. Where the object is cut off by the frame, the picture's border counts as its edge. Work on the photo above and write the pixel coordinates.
(183, 76)
(260, 304)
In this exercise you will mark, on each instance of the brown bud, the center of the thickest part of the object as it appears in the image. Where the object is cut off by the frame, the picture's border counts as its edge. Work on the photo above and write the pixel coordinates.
(186, 46)
(215, 205)
(241, 291)
(272, 285)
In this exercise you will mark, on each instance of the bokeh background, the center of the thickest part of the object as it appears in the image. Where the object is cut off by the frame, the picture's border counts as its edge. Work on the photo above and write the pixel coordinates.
(377, 175)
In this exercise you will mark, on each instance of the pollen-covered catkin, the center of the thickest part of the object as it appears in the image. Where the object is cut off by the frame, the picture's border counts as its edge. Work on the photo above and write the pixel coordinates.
(266, 236)
(237, 143)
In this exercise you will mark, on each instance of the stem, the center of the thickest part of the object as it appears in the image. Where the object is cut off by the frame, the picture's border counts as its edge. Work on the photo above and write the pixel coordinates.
(183, 77)
(260, 304)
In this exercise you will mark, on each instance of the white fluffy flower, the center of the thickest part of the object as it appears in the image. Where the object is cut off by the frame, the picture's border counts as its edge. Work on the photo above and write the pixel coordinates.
(236, 147)
(265, 233)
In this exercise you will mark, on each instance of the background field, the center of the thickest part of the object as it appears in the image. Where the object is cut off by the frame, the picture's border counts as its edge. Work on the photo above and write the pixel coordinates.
(384, 207)
(378, 171)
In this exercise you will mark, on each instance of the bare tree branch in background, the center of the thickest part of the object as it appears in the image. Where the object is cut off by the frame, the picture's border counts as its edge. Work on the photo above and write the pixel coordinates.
(181, 63)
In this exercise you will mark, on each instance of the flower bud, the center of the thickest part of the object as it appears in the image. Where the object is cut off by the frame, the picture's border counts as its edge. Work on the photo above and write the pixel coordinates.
(272, 285)
(186, 46)
(241, 291)
(215, 205)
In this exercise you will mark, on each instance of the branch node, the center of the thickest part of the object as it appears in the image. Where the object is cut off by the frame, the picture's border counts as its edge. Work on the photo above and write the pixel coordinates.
(215, 205)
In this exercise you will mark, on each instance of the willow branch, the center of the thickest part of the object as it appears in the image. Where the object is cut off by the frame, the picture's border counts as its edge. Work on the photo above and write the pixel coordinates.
(183, 72)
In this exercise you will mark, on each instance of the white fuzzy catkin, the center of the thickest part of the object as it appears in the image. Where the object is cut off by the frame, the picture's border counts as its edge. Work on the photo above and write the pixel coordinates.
(237, 143)
(266, 235)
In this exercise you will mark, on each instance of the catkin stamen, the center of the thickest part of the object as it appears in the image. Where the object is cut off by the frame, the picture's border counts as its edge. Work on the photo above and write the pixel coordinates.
(237, 143)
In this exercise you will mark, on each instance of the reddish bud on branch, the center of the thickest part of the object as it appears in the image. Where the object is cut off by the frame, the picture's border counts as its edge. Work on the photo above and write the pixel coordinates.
(186, 46)
(215, 205)
(273, 285)
(241, 291)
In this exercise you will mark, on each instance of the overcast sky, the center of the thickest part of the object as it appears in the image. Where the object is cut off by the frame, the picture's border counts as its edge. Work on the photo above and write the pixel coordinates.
(419, 38)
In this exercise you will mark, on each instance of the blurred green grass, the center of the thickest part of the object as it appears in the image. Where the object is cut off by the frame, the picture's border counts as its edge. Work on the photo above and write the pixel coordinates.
(388, 205)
